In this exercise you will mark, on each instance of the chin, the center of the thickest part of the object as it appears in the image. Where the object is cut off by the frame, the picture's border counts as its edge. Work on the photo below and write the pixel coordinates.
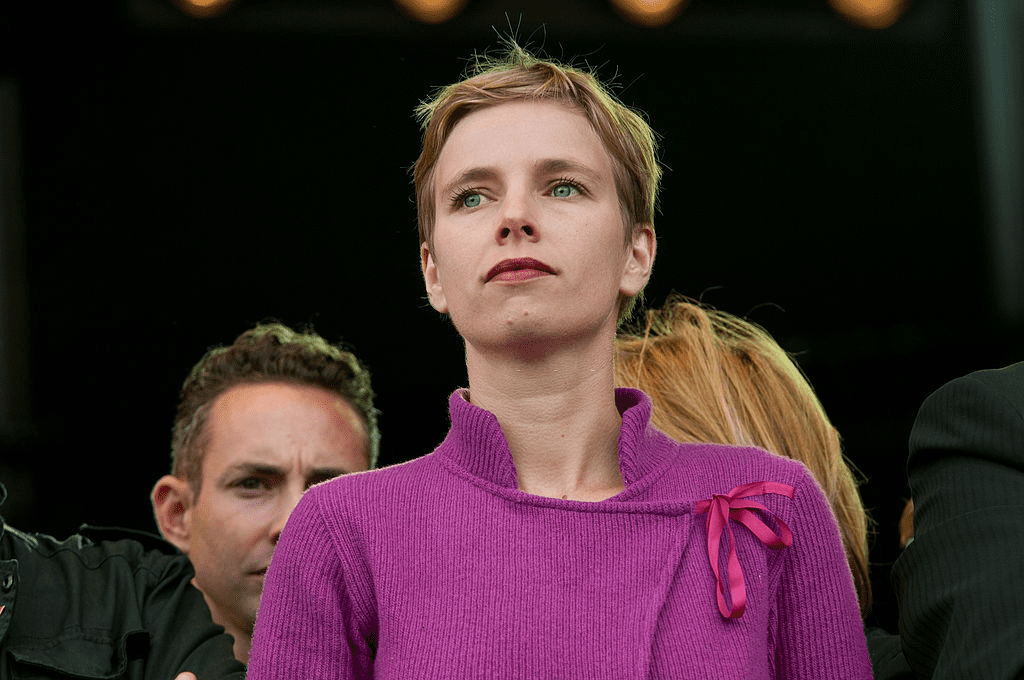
(248, 614)
(515, 331)
(532, 329)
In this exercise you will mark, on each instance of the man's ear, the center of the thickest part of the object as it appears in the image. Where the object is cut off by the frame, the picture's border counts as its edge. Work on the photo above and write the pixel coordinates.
(641, 260)
(172, 505)
(435, 292)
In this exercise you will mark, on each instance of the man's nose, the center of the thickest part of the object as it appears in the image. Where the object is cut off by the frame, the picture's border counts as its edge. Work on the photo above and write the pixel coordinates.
(288, 502)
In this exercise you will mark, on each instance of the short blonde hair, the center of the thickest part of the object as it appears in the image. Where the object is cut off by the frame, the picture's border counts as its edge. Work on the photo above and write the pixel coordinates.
(714, 377)
(520, 76)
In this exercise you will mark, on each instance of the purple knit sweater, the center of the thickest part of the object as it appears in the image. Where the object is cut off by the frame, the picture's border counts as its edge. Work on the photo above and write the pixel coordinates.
(442, 568)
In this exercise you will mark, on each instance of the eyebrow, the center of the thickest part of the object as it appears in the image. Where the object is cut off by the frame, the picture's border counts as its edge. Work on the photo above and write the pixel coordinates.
(469, 176)
(272, 470)
(553, 165)
(326, 473)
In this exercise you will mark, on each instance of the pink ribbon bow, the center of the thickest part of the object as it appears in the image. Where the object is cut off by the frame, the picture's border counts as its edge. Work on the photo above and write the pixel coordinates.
(734, 505)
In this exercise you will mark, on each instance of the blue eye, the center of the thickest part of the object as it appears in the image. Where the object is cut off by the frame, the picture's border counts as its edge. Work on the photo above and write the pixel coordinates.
(564, 191)
(472, 200)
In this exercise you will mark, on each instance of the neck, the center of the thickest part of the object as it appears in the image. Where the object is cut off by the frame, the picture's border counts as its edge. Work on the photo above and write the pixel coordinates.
(557, 411)
(241, 634)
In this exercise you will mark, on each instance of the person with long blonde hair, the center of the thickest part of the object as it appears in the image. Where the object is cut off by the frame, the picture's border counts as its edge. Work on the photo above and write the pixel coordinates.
(715, 377)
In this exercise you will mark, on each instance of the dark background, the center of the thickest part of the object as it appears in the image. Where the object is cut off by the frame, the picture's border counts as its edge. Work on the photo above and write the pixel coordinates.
(182, 179)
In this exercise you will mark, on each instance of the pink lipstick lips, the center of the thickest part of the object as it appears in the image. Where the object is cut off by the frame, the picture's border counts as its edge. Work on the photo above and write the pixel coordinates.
(518, 269)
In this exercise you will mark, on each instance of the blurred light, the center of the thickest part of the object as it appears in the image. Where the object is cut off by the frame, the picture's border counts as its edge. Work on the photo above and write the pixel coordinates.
(870, 13)
(649, 12)
(431, 11)
(203, 8)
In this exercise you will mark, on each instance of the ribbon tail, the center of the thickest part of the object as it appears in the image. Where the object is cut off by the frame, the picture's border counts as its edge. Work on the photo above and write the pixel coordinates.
(762, 531)
(737, 587)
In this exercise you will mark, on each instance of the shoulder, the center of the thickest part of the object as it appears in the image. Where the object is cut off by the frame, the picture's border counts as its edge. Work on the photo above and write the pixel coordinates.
(981, 414)
(127, 540)
(998, 384)
(362, 501)
(381, 485)
(763, 481)
(104, 550)
(723, 463)
(342, 527)
(703, 470)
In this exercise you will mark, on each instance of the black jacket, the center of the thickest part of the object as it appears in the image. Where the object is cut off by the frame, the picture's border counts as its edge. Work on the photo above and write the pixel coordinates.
(959, 581)
(104, 604)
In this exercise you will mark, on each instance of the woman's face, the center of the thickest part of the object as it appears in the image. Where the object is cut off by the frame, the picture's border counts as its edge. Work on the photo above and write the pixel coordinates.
(529, 240)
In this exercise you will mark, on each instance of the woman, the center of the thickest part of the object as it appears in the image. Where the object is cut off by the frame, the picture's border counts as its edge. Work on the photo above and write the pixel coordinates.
(553, 534)
(714, 377)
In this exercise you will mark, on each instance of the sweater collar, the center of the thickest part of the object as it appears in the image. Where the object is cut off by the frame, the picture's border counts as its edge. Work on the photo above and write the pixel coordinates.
(477, 444)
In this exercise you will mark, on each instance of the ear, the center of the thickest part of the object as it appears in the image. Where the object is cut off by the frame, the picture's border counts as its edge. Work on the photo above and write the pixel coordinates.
(435, 292)
(640, 260)
(172, 505)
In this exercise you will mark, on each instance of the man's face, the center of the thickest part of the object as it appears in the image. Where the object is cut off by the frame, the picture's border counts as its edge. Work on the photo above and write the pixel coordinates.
(266, 444)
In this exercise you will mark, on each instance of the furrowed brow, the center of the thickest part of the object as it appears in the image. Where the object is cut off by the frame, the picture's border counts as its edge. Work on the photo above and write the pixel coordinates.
(323, 474)
(244, 469)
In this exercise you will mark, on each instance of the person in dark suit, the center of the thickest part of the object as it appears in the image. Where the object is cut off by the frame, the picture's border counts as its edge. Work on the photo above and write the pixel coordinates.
(959, 582)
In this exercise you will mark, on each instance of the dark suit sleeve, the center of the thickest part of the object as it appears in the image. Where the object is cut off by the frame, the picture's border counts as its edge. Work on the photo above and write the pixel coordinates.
(960, 583)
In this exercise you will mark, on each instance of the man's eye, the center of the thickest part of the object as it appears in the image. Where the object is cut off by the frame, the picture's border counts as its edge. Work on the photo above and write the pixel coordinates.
(251, 484)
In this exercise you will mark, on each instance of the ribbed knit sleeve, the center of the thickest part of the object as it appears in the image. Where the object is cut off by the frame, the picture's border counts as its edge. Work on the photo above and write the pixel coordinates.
(819, 629)
(312, 623)
(959, 581)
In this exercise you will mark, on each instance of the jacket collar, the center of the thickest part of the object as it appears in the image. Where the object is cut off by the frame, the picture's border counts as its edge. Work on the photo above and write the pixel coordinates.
(477, 444)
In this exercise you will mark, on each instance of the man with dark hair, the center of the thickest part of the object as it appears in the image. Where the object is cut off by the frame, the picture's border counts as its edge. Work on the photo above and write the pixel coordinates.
(259, 422)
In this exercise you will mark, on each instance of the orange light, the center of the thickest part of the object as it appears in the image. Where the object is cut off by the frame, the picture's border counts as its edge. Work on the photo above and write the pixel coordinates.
(870, 13)
(649, 12)
(431, 11)
(203, 8)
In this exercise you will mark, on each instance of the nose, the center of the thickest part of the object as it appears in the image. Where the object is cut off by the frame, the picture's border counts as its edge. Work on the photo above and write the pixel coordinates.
(517, 218)
(288, 502)
(507, 232)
